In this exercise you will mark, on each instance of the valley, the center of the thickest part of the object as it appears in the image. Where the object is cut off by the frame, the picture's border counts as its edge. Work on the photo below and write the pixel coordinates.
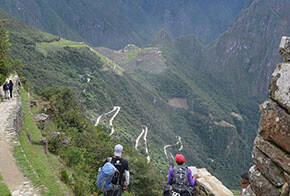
(168, 94)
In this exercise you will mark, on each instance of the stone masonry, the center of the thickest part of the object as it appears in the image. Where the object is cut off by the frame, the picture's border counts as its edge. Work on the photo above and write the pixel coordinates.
(270, 174)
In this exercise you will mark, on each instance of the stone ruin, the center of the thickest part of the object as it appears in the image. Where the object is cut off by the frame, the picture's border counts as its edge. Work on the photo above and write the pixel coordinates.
(270, 174)
(208, 185)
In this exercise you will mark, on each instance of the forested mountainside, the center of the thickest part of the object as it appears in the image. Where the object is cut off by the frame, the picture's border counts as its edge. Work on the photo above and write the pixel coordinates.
(245, 56)
(114, 24)
(174, 95)
(155, 89)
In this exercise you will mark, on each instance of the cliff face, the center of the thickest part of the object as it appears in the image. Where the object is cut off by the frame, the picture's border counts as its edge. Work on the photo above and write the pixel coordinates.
(249, 48)
(270, 174)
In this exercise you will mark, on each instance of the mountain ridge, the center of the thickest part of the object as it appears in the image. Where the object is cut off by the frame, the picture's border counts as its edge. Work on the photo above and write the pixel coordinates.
(130, 21)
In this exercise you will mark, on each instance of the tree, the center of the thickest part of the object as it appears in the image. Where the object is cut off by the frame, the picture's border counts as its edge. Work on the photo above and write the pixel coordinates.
(6, 62)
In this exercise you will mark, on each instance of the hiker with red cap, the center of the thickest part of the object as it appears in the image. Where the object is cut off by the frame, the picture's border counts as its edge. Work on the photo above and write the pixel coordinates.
(180, 181)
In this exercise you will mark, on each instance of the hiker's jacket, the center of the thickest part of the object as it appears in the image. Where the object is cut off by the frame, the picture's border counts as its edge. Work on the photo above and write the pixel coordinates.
(189, 176)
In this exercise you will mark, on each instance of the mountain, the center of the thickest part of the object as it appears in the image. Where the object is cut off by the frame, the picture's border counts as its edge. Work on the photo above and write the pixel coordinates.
(161, 89)
(245, 56)
(114, 24)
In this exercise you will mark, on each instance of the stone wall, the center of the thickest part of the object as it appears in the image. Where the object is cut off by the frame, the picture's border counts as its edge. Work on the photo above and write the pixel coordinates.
(208, 185)
(270, 174)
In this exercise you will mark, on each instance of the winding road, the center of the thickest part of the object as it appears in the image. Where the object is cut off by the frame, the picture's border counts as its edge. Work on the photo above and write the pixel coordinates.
(145, 132)
(171, 145)
(117, 109)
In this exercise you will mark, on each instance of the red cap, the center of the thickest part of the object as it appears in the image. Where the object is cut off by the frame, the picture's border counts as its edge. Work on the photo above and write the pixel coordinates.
(179, 158)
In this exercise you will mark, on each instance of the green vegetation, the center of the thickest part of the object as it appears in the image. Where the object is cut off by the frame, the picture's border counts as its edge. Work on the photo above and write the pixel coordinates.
(6, 62)
(236, 192)
(143, 96)
(4, 191)
(45, 47)
(115, 24)
(87, 147)
(46, 167)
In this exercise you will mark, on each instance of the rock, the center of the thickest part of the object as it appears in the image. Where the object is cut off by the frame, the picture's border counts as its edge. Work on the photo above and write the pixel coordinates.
(280, 86)
(41, 117)
(268, 168)
(274, 125)
(278, 156)
(208, 185)
(65, 140)
(260, 185)
(287, 177)
(284, 48)
(55, 134)
(33, 103)
(285, 190)
(249, 192)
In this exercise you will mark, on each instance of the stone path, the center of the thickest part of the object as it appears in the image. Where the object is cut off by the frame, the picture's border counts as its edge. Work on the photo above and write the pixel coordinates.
(17, 183)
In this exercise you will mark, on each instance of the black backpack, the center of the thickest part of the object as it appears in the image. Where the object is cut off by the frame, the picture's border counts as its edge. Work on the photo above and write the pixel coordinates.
(180, 179)
(6, 86)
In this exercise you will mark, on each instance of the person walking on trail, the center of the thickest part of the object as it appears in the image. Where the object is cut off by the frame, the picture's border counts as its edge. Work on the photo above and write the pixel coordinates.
(180, 181)
(10, 87)
(245, 182)
(123, 168)
(5, 89)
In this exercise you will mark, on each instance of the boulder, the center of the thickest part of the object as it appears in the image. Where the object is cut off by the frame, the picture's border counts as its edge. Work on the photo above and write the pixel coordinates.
(274, 125)
(208, 185)
(284, 48)
(41, 117)
(268, 168)
(249, 192)
(65, 140)
(280, 86)
(260, 185)
(278, 156)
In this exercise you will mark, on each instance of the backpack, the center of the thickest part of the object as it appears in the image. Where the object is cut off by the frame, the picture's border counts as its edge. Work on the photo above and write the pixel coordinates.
(180, 179)
(6, 86)
(105, 176)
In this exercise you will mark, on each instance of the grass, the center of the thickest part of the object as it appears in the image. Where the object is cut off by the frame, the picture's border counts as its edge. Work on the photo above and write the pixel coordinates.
(107, 61)
(44, 167)
(44, 47)
(133, 54)
(4, 191)
(236, 192)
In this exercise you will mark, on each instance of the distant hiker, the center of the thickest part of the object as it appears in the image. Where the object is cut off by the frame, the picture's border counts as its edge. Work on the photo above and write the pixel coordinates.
(180, 181)
(10, 86)
(5, 89)
(110, 176)
(244, 182)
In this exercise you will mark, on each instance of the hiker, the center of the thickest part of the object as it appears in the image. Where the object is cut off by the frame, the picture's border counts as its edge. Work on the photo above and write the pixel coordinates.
(10, 87)
(123, 167)
(5, 89)
(244, 182)
(180, 180)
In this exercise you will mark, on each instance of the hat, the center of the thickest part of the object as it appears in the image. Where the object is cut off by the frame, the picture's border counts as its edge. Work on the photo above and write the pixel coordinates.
(118, 150)
(179, 158)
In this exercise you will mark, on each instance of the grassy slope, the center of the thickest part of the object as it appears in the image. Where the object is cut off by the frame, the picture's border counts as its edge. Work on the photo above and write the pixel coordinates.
(46, 167)
(4, 191)
(52, 61)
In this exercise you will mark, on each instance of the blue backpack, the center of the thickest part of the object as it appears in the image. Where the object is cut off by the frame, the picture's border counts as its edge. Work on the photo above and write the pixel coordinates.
(105, 176)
